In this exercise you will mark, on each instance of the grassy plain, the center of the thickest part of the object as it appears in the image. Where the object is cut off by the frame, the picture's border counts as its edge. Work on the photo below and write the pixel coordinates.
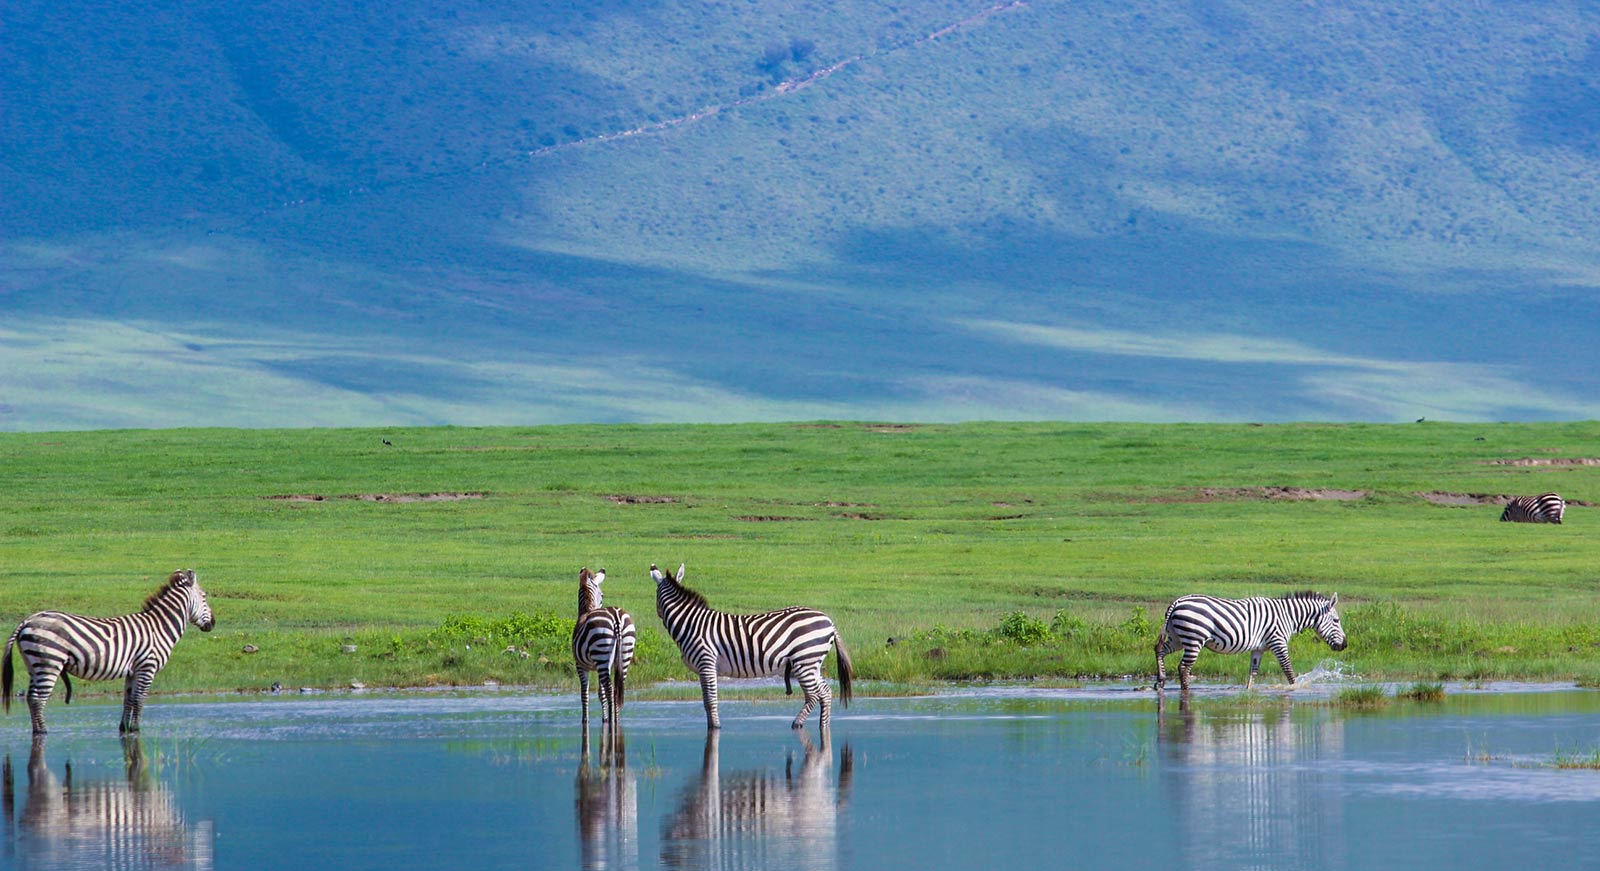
(998, 550)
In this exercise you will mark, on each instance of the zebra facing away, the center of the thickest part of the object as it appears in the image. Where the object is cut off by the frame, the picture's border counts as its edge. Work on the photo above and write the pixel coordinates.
(792, 642)
(133, 647)
(602, 641)
(1256, 624)
(1544, 508)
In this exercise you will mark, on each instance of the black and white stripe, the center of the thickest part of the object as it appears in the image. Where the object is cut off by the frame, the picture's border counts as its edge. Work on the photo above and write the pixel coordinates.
(133, 647)
(1544, 508)
(792, 642)
(602, 641)
(1257, 624)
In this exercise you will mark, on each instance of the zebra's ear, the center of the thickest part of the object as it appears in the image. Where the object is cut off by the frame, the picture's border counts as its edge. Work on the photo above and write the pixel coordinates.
(1335, 599)
(600, 576)
(180, 577)
(679, 578)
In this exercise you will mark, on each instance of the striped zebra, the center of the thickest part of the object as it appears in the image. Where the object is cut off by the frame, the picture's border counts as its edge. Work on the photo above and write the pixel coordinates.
(792, 642)
(602, 641)
(133, 647)
(1544, 508)
(1257, 624)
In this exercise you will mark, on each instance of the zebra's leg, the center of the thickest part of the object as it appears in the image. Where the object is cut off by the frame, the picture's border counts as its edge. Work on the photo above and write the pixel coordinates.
(583, 693)
(816, 690)
(1186, 666)
(607, 706)
(134, 690)
(1255, 666)
(1281, 651)
(1164, 646)
(41, 683)
(708, 694)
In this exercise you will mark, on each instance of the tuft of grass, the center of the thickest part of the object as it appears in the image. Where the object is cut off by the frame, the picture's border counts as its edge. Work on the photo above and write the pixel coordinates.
(1423, 692)
(1364, 698)
(1570, 761)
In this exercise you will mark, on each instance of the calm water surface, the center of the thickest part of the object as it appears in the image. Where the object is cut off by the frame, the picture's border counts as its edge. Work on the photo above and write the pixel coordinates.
(993, 779)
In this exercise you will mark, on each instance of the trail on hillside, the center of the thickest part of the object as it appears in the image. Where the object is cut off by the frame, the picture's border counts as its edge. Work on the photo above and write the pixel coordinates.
(780, 90)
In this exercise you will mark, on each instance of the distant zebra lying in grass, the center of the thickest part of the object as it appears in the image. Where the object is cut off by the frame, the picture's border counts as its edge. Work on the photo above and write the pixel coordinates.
(1544, 508)
(1257, 624)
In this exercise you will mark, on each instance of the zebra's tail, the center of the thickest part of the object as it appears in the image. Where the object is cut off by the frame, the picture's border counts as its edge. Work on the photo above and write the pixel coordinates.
(5, 672)
(844, 668)
(615, 668)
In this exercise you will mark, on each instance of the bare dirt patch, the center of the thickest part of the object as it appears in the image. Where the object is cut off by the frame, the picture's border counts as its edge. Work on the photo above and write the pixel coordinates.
(892, 427)
(856, 515)
(767, 518)
(1208, 493)
(1441, 497)
(1547, 461)
(380, 497)
(624, 499)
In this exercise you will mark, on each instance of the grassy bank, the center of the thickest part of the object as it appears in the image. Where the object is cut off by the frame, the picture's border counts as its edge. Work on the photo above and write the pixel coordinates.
(983, 550)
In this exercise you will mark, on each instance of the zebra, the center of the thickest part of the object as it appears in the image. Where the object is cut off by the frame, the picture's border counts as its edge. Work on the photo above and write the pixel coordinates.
(1544, 508)
(133, 647)
(1256, 624)
(792, 642)
(602, 641)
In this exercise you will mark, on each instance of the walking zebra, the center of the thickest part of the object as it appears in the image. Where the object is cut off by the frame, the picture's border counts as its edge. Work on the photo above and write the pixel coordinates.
(602, 641)
(133, 647)
(1256, 624)
(1544, 508)
(792, 642)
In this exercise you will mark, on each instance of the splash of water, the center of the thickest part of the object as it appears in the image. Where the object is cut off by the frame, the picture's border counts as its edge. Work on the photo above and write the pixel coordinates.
(1328, 671)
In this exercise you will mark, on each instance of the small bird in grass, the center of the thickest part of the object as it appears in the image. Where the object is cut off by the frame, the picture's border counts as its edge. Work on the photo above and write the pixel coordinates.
(389, 443)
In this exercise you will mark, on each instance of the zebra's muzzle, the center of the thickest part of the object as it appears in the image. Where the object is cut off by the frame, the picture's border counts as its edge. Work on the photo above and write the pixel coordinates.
(1340, 646)
(207, 626)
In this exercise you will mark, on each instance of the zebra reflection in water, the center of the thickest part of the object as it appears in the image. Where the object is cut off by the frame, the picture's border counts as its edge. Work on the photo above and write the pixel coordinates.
(1250, 786)
(608, 805)
(759, 819)
(130, 822)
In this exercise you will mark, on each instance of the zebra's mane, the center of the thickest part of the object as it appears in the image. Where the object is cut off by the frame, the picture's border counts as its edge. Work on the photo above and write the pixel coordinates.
(172, 582)
(1304, 594)
(689, 594)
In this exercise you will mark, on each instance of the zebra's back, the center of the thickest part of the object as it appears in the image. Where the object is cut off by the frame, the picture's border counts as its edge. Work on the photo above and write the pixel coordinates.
(765, 644)
(600, 632)
(1544, 508)
(1224, 625)
(95, 648)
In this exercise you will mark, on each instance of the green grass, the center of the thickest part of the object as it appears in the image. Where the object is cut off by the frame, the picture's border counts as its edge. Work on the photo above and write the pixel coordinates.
(984, 550)
(1365, 698)
(1423, 692)
(1575, 760)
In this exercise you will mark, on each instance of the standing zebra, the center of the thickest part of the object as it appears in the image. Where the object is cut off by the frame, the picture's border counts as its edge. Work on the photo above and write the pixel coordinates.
(1544, 508)
(133, 647)
(1256, 624)
(602, 641)
(792, 642)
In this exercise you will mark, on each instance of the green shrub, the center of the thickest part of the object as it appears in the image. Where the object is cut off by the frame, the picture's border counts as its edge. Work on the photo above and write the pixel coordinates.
(1019, 628)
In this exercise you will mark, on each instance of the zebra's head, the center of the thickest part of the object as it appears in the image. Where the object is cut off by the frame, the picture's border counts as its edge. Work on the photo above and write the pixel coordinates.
(1328, 627)
(199, 609)
(661, 577)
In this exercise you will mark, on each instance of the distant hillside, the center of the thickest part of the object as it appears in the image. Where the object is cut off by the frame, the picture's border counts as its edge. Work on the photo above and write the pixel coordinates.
(501, 213)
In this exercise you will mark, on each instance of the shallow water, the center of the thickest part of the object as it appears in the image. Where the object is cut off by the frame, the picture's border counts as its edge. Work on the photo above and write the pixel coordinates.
(986, 778)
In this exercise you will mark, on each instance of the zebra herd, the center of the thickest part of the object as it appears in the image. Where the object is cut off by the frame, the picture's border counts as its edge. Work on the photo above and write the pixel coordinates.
(793, 642)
